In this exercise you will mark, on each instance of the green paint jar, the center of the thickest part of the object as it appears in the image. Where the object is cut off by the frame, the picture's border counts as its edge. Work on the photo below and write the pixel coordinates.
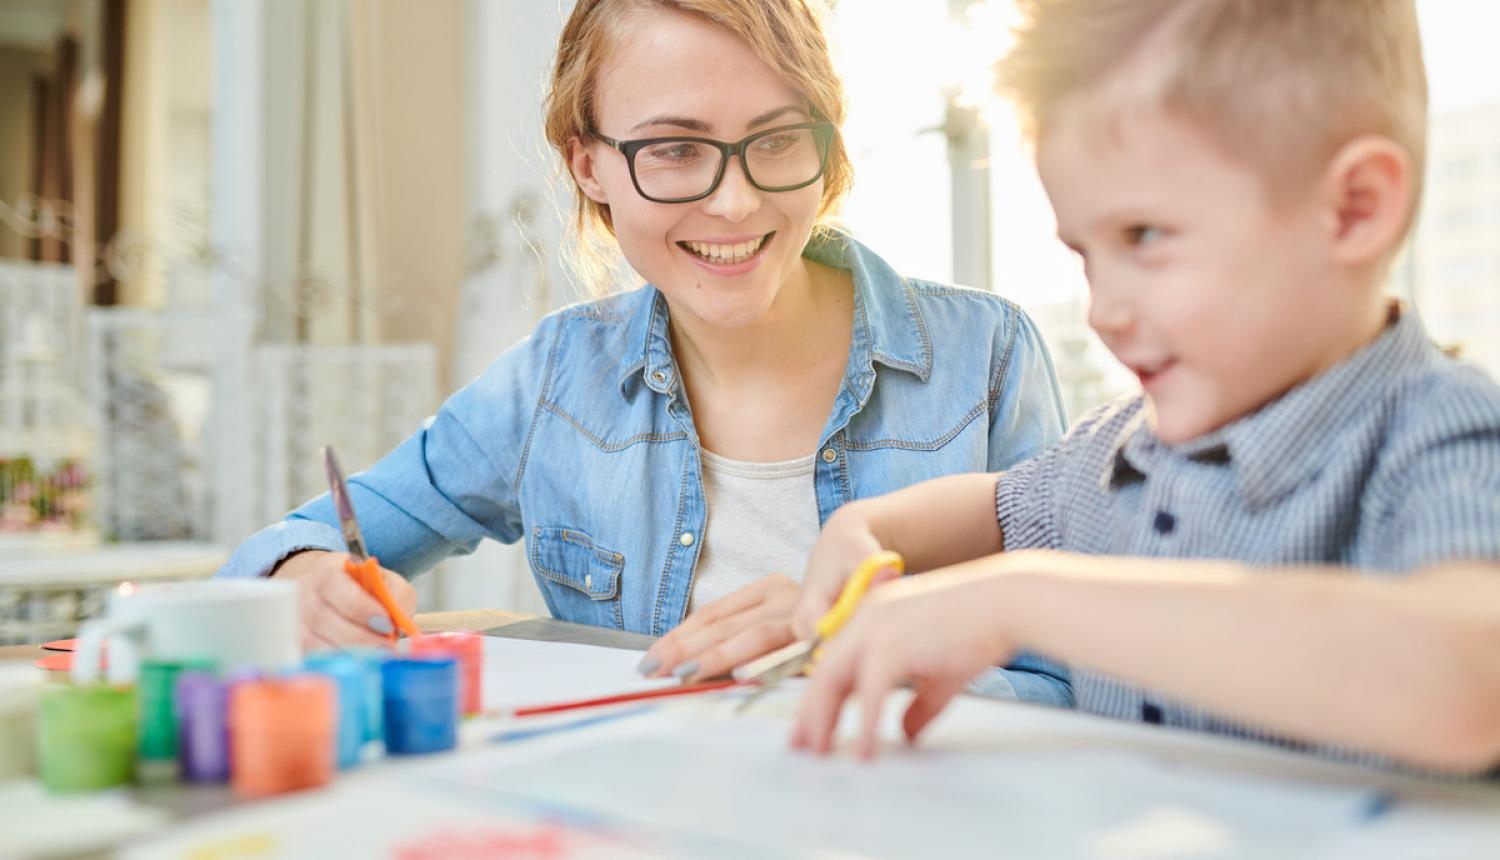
(158, 687)
(86, 736)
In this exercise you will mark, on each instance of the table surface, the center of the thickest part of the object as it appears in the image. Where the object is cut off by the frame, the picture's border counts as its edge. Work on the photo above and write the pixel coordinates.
(1438, 806)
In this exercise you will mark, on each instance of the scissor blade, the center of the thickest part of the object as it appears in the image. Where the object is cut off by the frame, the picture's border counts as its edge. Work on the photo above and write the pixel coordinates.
(761, 668)
(773, 676)
(343, 506)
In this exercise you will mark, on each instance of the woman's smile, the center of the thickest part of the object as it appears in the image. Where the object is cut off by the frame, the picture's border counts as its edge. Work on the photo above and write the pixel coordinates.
(730, 256)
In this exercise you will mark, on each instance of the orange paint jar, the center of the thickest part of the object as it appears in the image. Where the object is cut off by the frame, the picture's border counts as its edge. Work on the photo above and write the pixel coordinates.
(281, 734)
(468, 650)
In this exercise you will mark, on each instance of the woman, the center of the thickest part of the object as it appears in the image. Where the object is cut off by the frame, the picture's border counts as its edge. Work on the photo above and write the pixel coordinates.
(660, 448)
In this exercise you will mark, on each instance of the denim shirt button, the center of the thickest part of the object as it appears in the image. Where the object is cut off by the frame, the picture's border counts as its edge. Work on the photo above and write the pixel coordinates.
(588, 581)
(658, 376)
(686, 539)
(829, 455)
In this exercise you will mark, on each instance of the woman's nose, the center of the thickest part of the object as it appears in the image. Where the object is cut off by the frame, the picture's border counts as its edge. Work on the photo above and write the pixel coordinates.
(735, 199)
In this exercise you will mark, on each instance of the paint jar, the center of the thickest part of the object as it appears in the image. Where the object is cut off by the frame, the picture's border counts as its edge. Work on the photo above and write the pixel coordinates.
(421, 704)
(371, 660)
(281, 734)
(202, 727)
(348, 676)
(20, 691)
(468, 650)
(157, 687)
(86, 736)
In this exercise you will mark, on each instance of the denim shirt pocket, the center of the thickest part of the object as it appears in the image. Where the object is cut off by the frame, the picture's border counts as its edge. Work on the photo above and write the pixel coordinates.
(579, 579)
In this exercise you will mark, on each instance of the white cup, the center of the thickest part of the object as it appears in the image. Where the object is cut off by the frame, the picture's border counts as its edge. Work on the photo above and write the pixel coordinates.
(239, 624)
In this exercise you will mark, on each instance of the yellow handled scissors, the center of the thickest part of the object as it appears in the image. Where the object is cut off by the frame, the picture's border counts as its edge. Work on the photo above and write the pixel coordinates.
(798, 657)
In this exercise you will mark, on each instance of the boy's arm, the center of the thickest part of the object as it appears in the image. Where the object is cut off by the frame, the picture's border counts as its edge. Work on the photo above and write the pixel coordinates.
(1406, 668)
(933, 524)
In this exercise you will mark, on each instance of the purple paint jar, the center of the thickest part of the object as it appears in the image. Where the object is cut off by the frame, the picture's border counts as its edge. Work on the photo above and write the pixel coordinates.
(203, 730)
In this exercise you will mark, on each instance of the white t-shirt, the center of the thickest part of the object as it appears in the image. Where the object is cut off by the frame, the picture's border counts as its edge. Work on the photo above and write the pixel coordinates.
(762, 519)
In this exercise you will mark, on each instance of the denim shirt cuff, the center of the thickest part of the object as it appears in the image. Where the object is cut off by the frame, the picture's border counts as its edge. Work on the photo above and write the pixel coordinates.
(993, 684)
(1023, 685)
(260, 554)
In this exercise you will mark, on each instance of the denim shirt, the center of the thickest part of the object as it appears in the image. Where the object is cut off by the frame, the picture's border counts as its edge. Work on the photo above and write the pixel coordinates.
(580, 441)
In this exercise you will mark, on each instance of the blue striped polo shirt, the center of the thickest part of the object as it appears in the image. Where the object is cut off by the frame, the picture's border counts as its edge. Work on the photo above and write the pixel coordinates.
(1386, 463)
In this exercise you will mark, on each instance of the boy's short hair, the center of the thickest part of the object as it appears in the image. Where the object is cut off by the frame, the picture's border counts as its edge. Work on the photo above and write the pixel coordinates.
(1281, 84)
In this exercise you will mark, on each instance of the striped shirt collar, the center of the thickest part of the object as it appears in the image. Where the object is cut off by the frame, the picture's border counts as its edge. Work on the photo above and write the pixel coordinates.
(1280, 445)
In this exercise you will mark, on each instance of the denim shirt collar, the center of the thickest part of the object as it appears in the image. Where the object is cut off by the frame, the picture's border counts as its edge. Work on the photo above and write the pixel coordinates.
(888, 326)
(1277, 447)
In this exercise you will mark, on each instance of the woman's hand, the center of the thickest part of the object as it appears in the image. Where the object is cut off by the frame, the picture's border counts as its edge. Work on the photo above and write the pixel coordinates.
(735, 629)
(335, 611)
(934, 633)
(847, 540)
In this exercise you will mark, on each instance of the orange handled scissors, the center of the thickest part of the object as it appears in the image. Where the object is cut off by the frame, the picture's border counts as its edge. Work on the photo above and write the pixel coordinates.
(360, 564)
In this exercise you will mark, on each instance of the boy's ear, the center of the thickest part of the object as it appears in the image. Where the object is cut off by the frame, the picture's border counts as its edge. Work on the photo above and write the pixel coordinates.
(581, 163)
(1369, 195)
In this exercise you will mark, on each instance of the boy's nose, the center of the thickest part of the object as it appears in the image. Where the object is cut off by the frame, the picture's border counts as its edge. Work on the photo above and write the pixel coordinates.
(735, 199)
(1109, 315)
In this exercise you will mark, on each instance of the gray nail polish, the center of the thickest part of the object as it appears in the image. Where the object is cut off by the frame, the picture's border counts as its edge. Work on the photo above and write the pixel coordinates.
(686, 670)
(381, 624)
(649, 663)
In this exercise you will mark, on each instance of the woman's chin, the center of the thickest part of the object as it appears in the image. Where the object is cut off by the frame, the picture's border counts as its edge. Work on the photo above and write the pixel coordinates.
(721, 308)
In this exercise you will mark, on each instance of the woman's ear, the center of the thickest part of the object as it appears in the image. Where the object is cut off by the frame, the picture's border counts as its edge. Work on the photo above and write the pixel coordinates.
(581, 163)
(1369, 199)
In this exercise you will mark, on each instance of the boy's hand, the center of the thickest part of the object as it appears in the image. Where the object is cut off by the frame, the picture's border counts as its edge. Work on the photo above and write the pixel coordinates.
(735, 629)
(935, 633)
(847, 539)
(335, 611)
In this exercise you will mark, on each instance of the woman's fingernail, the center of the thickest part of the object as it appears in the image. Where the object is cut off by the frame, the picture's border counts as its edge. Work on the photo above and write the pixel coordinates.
(686, 670)
(649, 663)
(381, 624)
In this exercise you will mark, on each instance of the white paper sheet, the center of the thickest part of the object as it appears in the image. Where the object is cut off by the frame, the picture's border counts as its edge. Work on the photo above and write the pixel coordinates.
(519, 672)
(975, 788)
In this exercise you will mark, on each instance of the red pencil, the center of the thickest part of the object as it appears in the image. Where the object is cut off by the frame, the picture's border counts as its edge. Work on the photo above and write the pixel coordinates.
(620, 698)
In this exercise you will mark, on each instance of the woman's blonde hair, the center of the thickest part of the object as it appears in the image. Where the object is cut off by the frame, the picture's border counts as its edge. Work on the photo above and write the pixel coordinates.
(788, 35)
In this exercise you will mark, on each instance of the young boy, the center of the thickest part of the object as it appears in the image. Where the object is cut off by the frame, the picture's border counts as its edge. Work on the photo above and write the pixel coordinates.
(1221, 550)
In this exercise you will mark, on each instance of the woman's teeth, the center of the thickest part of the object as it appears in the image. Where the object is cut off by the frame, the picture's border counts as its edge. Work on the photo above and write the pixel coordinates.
(727, 254)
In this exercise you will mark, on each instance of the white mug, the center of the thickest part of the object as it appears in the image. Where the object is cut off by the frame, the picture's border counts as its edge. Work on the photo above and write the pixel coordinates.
(238, 624)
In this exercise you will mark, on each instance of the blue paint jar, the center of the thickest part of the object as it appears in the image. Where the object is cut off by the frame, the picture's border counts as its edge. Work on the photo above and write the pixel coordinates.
(371, 660)
(349, 684)
(421, 704)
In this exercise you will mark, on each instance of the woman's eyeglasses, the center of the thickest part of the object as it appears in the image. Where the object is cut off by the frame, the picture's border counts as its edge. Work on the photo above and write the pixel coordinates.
(684, 169)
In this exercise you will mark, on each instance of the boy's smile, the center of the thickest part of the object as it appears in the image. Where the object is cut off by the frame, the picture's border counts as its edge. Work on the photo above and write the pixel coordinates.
(1218, 298)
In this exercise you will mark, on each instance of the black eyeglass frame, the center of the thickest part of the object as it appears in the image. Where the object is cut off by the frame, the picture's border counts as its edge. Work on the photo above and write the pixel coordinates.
(824, 133)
